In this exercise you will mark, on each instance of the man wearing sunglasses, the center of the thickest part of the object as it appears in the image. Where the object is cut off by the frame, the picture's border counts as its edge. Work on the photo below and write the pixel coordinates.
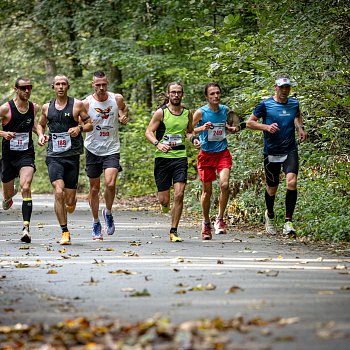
(18, 122)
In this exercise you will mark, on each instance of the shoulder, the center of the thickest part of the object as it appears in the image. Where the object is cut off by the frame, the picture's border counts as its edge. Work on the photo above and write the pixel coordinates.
(158, 114)
(4, 108)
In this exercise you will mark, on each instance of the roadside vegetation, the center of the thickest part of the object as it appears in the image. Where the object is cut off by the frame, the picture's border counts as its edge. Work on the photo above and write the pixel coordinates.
(143, 45)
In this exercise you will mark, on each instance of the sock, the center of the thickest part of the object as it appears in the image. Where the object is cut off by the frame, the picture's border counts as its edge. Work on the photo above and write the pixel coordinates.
(173, 230)
(270, 201)
(27, 207)
(291, 201)
(108, 212)
(64, 228)
(96, 220)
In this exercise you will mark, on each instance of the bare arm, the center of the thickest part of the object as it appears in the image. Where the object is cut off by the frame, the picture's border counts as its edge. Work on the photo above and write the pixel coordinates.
(4, 116)
(197, 117)
(41, 125)
(298, 122)
(36, 110)
(191, 135)
(80, 116)
(254, 124)
(123, 109)
(151, 129)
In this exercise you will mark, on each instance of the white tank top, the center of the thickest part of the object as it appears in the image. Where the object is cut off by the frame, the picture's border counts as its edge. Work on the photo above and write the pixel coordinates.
(103, 140)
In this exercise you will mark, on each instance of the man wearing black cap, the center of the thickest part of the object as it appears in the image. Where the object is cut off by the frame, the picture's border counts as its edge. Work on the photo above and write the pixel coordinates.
(280, 116)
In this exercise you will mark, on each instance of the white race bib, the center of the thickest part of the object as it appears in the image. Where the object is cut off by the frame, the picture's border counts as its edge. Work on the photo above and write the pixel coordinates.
(217, 132)
(20, 142)
(172, 140)
(61, 142)
(277, 159)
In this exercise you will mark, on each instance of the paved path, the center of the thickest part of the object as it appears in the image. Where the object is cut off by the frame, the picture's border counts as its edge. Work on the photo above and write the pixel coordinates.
(235, 274)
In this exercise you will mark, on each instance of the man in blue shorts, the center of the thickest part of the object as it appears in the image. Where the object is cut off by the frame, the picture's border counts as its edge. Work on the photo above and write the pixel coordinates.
(67, 119)
(279, 117)
(18, 122)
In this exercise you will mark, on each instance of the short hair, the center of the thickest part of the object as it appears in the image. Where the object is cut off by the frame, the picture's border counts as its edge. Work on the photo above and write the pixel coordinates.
(174, 83)
(99, 74)
(19, 79)
(210, 85)
(60, 76)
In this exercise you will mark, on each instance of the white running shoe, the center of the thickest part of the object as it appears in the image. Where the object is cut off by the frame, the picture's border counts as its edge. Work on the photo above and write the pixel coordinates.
(270, 225)
(288, 229)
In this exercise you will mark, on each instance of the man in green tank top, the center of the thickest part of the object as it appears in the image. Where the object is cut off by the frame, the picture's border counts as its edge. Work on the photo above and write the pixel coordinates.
(167, 131)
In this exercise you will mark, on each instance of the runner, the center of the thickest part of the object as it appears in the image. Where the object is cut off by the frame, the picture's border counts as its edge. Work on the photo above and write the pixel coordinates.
(102, 145)
(66, 118)
(167, 130)
(280, 116)
(18, 158)
(210, 122)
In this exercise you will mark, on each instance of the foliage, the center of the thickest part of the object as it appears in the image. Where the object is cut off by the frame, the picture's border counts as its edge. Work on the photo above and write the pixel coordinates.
(241, 44)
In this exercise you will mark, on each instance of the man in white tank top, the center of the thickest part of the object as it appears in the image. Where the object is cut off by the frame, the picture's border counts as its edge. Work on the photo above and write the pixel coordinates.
(106, 111)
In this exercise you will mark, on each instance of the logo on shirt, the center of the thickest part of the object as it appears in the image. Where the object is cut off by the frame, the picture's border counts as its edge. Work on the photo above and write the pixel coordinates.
(104, 112)
(67, 115)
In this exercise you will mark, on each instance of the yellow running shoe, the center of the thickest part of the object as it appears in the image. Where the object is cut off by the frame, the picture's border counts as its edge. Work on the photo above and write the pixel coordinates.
(65, 240)
(174, 237)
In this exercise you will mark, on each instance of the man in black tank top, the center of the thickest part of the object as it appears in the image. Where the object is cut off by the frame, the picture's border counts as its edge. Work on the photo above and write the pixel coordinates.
(66, 118)
(18, 122)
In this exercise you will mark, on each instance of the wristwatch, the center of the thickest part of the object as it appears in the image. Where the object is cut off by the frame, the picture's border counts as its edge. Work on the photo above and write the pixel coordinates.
(81, 128)
(156, 143)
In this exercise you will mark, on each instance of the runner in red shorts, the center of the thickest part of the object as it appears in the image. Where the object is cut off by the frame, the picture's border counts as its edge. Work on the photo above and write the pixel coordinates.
(210, 122)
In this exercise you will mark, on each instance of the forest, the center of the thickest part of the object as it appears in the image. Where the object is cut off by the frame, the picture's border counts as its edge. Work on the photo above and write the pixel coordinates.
(241, 44)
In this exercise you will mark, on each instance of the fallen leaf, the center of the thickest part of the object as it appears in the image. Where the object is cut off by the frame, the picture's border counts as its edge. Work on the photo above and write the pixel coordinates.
(233, 289)
(326, 292)
(122, 272)
(340, 267)
(109, 249)
(51, 272)
(269, 273)
(62, 251)
(220, 262)
(144, 293)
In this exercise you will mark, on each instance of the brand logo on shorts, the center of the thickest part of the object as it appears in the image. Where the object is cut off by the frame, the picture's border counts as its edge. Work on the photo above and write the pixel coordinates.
(104, 112)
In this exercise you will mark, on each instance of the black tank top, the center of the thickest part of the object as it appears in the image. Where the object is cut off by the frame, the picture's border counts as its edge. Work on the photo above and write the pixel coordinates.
(60, 121)
(19, 122)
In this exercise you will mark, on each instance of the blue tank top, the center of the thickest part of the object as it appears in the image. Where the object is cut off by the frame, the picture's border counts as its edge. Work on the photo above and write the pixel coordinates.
(282, 142)
(213, 140)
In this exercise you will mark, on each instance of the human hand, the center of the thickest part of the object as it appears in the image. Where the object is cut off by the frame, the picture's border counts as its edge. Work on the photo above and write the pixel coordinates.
(272, 128)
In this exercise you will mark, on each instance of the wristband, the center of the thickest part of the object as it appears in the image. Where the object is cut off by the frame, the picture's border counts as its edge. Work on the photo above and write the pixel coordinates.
(81, 128)
(300, 127)
(156, 143)
(194, 138)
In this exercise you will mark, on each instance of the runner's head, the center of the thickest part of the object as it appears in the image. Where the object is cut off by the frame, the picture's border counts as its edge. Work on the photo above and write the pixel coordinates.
(100, 85)
(23, 88)
(174, 93)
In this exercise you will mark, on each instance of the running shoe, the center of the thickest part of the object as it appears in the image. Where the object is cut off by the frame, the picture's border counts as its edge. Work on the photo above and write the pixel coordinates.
(220, 227)
(97, 232)
(65, 240)
(288, 229)
(164, 208)
(25, 235)
(109, 222)
(7, 203)
(174, 237)
(206, 231)
(270, 225)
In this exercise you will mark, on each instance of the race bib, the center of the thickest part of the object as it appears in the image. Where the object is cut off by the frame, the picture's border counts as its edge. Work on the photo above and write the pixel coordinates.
(172, 140)
(61, 142)
(103, 132)
(277, 159)
(20, 142)
(217, 132)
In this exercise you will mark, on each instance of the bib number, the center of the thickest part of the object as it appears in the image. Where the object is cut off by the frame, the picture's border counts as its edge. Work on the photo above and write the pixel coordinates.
(172, 140)
(20, 142)
(61, 142)
(217, 132)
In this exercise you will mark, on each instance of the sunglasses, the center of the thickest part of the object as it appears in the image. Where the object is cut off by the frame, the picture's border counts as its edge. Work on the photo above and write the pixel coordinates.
(25, 87)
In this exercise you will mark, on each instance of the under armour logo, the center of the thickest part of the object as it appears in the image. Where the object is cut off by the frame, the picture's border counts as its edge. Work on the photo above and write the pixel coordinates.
(67, 114)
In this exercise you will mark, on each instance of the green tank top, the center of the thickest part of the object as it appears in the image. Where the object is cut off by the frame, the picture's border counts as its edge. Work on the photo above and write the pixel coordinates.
(172, 130)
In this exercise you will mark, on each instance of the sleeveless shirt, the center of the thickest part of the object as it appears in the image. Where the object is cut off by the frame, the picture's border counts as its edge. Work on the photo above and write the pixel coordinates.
(19, 123)
(59, 121)
(103, 140)
(172, 130)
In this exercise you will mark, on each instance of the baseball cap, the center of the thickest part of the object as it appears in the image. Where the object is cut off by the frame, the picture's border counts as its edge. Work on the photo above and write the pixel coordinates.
(283, 81)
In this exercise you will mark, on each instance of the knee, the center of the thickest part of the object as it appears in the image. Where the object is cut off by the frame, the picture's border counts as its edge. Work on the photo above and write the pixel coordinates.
(25, 189)
(94, 190)
(110, 186)
(291, 183)
(59, 194)
(179, 197)
(224, 186)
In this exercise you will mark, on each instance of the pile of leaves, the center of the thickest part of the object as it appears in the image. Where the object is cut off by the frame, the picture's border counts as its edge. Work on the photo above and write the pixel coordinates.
(155, 333)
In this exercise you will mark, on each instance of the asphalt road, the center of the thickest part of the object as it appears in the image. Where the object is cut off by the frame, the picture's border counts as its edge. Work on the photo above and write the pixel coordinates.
(137, 273)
